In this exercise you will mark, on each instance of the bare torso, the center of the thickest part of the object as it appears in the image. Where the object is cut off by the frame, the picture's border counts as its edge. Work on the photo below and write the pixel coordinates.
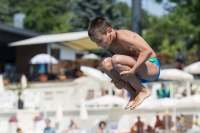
(123, 49)
(140, 126)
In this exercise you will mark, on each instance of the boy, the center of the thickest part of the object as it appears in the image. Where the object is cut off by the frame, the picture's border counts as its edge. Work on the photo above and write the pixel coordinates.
(132, 60)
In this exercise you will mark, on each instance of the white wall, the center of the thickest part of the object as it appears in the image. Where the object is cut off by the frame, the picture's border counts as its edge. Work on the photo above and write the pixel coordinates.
(66, 53)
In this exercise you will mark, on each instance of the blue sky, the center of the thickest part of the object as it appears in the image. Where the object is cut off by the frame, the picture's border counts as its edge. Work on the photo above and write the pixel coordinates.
(151, 6)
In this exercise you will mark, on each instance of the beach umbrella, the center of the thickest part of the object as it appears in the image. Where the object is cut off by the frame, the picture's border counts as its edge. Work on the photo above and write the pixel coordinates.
(87, 82)
(169, 102)
(175, 74)
(158, 103)
(193, 68)
(43, 59)
(190, 100)
(91, 56)
(1, 84)
(107, 100)
(95, 73)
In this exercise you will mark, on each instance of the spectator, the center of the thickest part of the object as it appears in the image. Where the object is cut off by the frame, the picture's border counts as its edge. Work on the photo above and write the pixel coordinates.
(72, 126)
(163, 92)
(180, 57)
(49, 129)
(102, 126)
(149, 129)
(198, 54)
(19, 130)
(180, 126)
(138, 127)
(177, 65)
(159, 124)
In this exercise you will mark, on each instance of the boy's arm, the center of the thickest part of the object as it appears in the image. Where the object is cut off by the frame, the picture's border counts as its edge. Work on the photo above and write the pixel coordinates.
(143, 49)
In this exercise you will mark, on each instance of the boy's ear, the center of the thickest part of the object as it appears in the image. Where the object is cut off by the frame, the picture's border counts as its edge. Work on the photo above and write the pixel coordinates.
(109, 30)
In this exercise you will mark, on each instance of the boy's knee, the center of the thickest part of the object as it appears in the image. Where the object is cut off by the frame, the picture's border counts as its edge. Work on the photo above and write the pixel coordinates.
(116, 59)
(106, 63)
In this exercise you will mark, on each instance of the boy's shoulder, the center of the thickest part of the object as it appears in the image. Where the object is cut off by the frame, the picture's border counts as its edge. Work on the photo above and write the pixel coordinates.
(125, 33)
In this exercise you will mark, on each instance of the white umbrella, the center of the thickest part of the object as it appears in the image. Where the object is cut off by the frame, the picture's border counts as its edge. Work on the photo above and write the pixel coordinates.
(158, 103)
(83, 111)
(87, 82)
(91, 56)
(169, 102)
(23, 82)
(43, 59)
(95, 73)
(1, 84)
(193, 68)
(190, 100)
(107, 100)
(175, 74)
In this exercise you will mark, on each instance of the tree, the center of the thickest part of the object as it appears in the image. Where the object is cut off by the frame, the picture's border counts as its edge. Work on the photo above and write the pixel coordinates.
(186, 18)
(82, 11)
(6, 12)
(45, 16)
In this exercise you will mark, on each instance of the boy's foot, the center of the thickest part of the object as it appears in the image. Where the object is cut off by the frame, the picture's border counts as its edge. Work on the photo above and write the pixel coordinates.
(133, 96)
(134, 102)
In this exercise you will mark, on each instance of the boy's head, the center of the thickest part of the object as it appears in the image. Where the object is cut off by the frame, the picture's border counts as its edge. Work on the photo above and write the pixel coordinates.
(100, 32)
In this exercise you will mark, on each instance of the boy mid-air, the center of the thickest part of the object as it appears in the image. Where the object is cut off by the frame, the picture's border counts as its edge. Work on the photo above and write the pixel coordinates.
(132, 60)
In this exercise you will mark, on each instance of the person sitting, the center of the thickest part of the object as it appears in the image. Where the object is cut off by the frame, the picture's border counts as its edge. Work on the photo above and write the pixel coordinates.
(72, 126)
(102, 126)
(48, 128)
(138, 127)
(163, 92)
(180, 126)
(159, 125)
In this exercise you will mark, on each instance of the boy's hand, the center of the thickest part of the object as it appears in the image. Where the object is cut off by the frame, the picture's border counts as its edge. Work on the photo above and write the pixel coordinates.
(126, 75)
(120, 84)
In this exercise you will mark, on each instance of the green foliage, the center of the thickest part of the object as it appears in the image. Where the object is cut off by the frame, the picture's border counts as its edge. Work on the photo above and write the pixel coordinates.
(43, 16)
(185, 18)
(82, 11)
(6, 11)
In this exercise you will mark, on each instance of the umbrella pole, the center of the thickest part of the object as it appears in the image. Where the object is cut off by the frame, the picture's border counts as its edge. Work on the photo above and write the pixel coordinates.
(171, 90)
(49, 67)
(50, 60)
(188, 88)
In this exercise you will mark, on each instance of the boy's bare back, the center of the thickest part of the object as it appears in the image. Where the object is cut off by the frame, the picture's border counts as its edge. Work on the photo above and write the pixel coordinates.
(125, 44)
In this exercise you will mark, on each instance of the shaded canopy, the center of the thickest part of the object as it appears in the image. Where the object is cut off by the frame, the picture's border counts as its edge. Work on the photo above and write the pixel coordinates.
(76, 40)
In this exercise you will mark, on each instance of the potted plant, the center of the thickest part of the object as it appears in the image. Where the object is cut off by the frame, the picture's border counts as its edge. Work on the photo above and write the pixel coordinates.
(62, 77)
(6, 81)
(43, 77)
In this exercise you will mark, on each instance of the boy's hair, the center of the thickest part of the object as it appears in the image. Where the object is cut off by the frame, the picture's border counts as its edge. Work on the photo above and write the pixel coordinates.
(98, 25)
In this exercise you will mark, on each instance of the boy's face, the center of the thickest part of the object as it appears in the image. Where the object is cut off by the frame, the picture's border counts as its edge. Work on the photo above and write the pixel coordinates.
(103, 40)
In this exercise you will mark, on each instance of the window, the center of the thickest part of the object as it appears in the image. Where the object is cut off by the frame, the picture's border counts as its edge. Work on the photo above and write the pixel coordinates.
(55, 53)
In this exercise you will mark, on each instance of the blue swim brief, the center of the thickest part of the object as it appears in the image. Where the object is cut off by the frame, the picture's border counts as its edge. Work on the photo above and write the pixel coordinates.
(156, 62)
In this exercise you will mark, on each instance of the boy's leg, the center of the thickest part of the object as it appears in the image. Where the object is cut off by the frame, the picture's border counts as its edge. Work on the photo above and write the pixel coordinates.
(125, 63)
(107, 67)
